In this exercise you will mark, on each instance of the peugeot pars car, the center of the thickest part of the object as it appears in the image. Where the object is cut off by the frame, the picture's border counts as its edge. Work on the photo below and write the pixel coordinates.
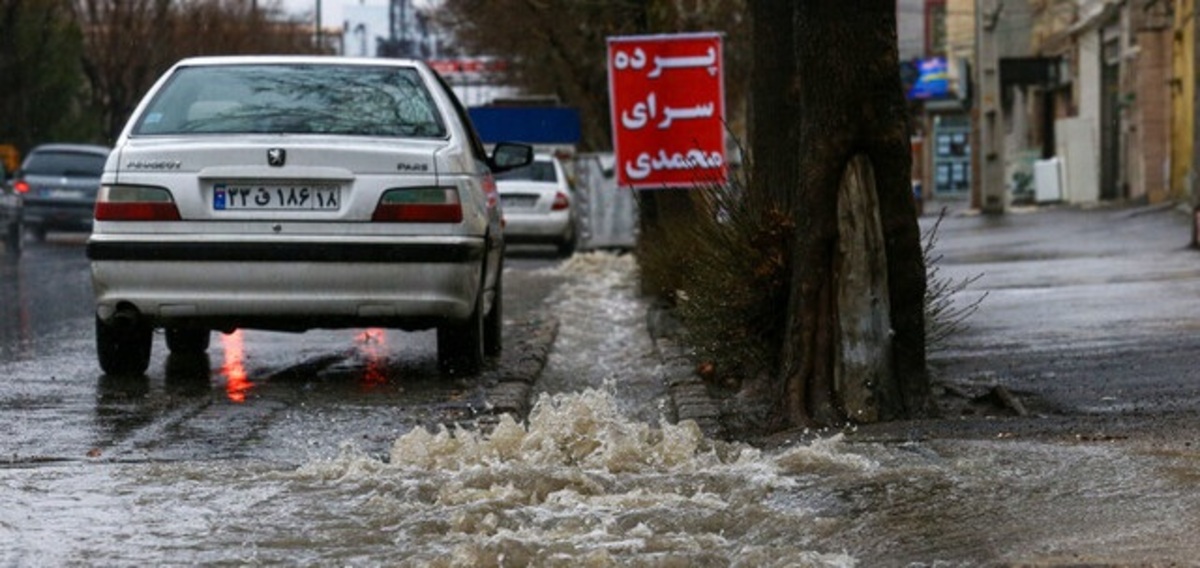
(539, 204)
(293, 193)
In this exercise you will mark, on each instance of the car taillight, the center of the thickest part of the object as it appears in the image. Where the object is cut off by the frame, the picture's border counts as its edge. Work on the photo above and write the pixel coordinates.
(419, 205)
(135, 203)
(560, 202)
(21, 186)
(491, 191)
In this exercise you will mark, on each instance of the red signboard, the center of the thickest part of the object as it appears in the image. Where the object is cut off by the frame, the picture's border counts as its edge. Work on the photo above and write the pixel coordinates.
(667, 98)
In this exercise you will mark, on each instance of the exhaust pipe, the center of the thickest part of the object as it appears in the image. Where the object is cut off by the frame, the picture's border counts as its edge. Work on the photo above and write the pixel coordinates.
(126, 316)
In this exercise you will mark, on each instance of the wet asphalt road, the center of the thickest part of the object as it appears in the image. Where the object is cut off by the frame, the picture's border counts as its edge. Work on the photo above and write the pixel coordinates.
(276, 397)
(1088, 316)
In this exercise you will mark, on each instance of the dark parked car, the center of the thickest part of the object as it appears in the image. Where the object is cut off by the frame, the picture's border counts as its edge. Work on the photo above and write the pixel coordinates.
(10, 217)
(58, 184)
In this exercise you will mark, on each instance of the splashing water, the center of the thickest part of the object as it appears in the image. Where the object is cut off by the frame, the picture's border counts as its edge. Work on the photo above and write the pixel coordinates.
(602, 340)
(583, 485)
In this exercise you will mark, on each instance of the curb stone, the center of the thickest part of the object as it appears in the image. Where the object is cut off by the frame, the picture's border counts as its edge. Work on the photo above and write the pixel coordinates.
(518, 368)
(511, 380)
(688, 394)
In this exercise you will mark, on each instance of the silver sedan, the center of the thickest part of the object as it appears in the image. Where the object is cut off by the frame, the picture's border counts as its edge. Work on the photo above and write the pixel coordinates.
(292, 193)
(539, 205)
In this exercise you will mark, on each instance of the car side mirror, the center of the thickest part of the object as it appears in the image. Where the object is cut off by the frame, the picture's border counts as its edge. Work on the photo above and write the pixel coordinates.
(510, 155)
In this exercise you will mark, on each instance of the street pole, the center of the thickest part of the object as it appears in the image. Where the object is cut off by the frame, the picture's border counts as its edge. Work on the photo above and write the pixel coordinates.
(993, 196)
(320, 39)
(1192, 174)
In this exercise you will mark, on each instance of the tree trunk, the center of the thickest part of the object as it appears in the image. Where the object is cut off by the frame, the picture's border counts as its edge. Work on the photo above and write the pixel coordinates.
(773, 131)
(854, 350)
(863, 304)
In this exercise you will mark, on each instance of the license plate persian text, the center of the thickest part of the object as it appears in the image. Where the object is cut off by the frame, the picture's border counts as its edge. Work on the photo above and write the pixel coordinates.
(236, 197)
(59, 193)
(518, 201)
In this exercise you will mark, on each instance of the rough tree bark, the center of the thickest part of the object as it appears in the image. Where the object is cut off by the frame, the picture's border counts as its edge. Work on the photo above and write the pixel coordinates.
(773, 90)
(854, 349)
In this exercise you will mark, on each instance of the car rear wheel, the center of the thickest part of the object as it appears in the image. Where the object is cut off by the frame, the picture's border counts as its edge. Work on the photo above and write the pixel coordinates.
(493, 324)
(460, 344)
(187, 340)
(566, 246)
(123, 349)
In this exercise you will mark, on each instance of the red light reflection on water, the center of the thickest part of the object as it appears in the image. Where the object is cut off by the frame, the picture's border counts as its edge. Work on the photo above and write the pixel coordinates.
(374, 349)
(236, 383)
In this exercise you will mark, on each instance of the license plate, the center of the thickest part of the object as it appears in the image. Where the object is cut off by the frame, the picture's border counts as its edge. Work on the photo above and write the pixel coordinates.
(518, 201)
(239, 197)
(58, 193)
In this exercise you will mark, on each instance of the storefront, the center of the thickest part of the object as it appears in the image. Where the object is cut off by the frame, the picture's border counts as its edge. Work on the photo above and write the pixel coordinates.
(945, 160)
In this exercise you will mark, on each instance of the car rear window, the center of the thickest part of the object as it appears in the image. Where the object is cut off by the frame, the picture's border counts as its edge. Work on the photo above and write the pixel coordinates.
(539, 170)
(64, 164)
(294, 99)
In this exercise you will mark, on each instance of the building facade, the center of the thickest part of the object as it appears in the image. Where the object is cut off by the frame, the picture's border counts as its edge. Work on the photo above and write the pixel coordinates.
(1068, 100)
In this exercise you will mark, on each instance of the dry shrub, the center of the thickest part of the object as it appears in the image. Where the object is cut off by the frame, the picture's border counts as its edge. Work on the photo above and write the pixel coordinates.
(724, 273)
(943, 317)
(723, 270)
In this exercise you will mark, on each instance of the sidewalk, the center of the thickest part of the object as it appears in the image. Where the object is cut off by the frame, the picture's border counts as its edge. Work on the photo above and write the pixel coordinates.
(1075, 302)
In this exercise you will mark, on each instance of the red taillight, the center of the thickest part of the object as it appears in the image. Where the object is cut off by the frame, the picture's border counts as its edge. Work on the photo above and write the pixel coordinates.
(418, 213)
(491, 191)
(135, 203)
(136, 211)
(419, 205)
(560, 202)
(21, 186)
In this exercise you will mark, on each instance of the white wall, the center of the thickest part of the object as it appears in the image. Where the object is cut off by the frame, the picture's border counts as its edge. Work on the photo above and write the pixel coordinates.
(1077, 140)
(1089, 111)
(910, 28)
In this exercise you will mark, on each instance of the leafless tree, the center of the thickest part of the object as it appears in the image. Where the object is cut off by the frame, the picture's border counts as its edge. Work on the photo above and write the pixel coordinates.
(129, 43)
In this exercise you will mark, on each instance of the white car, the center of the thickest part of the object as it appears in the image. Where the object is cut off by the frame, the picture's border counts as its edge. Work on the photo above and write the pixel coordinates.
(539, 204)
(293, 193)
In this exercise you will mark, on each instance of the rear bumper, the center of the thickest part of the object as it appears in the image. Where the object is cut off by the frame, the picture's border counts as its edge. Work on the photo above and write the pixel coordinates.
(522, 227)
(59, 216)
(220, 252)
(292, 286)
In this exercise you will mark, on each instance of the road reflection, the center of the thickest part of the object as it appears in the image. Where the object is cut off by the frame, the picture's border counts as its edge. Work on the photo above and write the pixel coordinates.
(188, 374)
(43, 292)
(15, 328)
(121, 404)
(233, 368)
(373, 342)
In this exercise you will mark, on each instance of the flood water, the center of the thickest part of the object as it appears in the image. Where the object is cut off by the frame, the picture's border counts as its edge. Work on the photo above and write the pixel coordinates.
(591, 480)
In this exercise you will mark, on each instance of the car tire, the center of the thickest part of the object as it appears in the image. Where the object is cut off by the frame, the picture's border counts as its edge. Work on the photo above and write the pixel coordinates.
(493, 324)
(123, 349)
(188, 340)
(566, 246)
(12, 240)
(460, 344)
